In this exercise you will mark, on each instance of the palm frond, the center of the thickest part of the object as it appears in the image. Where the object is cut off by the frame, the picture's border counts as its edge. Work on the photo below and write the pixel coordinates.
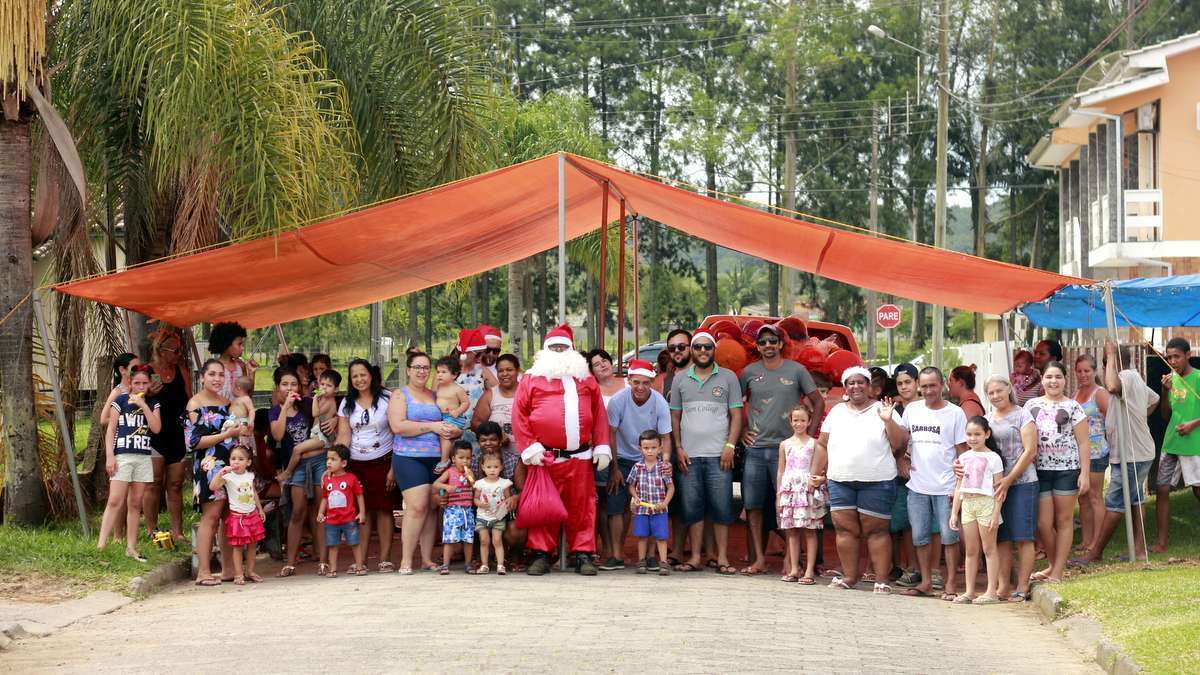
(22, 44)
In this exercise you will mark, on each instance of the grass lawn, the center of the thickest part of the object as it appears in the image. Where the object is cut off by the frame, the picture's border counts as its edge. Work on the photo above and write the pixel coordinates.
(1152, 611)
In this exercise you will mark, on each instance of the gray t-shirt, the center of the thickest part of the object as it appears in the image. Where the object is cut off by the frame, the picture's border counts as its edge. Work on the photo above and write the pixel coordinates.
(1007, 432)
(630, 419)
(1140, 397)
(772, 393)
(705, 406)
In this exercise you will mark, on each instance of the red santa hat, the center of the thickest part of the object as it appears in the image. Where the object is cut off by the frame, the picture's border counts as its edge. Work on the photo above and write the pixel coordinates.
(560, 335)
(640, 367)
(491, 334)
(470, 340)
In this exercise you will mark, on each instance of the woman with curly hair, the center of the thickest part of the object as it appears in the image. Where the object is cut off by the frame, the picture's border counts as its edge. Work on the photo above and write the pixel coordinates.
(228, 341)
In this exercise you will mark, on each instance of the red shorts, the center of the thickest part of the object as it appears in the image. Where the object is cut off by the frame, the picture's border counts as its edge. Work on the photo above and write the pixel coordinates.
(372, 473)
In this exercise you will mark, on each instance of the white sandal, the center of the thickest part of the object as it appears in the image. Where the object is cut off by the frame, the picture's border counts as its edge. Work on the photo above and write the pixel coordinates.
(883, 589)
(839, 582)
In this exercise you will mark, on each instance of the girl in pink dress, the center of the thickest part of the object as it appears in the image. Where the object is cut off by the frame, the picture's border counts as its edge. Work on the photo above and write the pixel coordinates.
(801, 508)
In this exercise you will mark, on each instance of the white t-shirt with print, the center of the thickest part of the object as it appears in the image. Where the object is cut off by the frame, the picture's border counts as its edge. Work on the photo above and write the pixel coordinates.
(1058, 449)
(979, 471)
(932, 437)
(493, 494)
(858, 449)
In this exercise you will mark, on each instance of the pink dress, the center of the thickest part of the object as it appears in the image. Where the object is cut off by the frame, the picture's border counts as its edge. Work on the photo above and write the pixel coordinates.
(797, 508)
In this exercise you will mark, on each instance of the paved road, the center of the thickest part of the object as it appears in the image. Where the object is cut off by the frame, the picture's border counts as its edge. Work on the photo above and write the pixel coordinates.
(618, 622)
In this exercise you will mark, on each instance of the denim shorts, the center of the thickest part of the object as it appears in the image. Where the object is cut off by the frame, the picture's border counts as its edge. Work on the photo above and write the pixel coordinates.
(653, 525)
(1137, 473)
(616, 503)
(875, 498)
(1020, 512)
(334, 533)
(1100, 464)
(900, 508)
(925, 511)
(308, 474)
(1058, 482)
(758, 477)
(706, 491)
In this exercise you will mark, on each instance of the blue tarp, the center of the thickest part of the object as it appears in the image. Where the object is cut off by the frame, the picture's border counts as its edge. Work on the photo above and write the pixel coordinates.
(1159, 302)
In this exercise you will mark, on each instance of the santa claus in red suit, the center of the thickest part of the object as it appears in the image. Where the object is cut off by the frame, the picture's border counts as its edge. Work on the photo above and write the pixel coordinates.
(559, 423)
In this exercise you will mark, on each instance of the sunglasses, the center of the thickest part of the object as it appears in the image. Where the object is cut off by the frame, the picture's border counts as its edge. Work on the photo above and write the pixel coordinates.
(703, 347)
(677, 347)
(768, 341)
(492, 350)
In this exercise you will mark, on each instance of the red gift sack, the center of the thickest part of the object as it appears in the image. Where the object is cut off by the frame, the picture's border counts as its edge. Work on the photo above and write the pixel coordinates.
(540, 504)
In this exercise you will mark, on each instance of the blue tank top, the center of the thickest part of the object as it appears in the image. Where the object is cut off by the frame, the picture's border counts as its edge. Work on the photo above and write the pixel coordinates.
(421, 445)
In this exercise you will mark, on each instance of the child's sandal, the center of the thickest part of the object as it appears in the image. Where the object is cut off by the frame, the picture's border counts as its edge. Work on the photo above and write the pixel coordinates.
(239, 581)
(332, 574)
(322, 569)
(360, 570)
(482, 569)
(500, 571)
(443, 570)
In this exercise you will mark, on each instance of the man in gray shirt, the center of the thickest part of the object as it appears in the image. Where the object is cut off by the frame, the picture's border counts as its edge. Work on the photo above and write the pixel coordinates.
(772, 387)
(705, 421)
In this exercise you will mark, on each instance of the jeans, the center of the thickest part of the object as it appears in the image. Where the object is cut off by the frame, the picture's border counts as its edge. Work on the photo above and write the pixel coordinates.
(1137, 473)
(758, 477)
(706, 490)
(922, 512)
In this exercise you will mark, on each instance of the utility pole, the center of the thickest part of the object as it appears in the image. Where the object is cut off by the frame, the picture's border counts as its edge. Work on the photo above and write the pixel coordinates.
(787, 275)
(376, 321)
(1131, 12)
(939, 223)
(872, 296)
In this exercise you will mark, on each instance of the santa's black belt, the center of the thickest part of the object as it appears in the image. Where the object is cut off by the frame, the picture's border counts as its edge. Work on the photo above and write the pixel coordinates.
(559, 454)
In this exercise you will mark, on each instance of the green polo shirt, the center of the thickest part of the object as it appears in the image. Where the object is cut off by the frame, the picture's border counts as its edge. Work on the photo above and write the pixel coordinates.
(705, 404)
(1185, 407)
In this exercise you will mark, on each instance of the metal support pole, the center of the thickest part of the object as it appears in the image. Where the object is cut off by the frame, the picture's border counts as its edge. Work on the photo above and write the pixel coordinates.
(68, 443)
(621, 286)
(939, 213)
(376, 317)
(562, 238)
(637, 308)
(1007, 345)
(1123, 428)
(283, 345)
(601, 316)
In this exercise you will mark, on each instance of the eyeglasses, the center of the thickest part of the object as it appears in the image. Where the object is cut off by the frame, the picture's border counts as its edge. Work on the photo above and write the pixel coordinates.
(420, 367)
(677, 347)
(492, 350)
(703, 347)
(768, 341)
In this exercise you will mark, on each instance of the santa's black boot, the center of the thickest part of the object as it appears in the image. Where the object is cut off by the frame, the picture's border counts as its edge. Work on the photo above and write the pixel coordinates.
(584, 565)
(539, 566)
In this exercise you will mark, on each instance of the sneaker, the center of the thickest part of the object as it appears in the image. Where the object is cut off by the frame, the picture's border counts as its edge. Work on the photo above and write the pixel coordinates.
(613, 564)
(584, 565)
(910, 579)
(652, 564)
(539, 566)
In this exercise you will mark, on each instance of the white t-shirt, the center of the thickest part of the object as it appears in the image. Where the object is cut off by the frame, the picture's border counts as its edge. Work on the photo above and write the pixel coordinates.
(1139, 397)
(493, 494)
(933, 435)
(979, 471)
(240, 490)
(370, 435)
(858, 444)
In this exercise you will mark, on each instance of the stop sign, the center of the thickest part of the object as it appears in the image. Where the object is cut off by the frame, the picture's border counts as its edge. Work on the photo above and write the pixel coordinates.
(887, 316)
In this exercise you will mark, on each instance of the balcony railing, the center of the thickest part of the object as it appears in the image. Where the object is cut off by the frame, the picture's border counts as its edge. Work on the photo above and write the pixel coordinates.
(1143, 215)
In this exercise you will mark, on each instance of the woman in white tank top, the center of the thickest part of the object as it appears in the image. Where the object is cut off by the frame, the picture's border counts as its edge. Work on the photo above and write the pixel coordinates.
(496, 403)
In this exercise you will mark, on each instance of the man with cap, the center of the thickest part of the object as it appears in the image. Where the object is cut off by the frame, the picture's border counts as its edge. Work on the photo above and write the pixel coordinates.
(705, 421)
(772, 387)
(493, 339)
(473, 377)
(633, 410)
(559, 425)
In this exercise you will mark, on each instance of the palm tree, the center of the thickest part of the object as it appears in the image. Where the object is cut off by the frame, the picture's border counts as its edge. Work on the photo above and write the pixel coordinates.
(742, 286)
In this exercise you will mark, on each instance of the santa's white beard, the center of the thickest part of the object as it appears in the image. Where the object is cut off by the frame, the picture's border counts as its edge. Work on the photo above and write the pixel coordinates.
(551, 364)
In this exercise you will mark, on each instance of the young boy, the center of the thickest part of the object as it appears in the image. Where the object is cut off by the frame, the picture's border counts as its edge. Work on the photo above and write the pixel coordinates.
(651, 488)
(492, 441)
(241, 409)
(452, 399)
(338, 512)
(324, 407)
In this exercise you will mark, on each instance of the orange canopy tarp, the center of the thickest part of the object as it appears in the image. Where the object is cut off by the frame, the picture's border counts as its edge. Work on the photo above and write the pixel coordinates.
(502, 216)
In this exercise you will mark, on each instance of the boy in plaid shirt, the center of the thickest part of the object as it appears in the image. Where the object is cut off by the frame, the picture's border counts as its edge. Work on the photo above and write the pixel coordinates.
(651, 488)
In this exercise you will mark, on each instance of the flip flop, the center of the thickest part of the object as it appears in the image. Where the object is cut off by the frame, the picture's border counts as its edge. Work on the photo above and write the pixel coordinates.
(686, 567)
(751, 571)
(254, 578)
(963, 599)
(986, 600)
(950, 597)
(806, 581)
(789, 579)
(1039, 576)
(286, 571)
(1080, 563)
(839, 582)
(673, 561)
(882, 589)
(210, 581)
(914, 593)
(727, 570)
(1018, 596)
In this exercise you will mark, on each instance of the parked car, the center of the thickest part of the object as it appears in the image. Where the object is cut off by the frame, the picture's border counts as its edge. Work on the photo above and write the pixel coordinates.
(648, 352)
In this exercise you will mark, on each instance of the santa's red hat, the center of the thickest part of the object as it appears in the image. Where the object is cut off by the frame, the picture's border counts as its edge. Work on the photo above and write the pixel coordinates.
(470, 340)
(640, 367)
(491, 334)
(560, 335)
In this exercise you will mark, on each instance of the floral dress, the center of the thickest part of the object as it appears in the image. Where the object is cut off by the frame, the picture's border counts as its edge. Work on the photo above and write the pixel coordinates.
(797, 507)
(208, 462)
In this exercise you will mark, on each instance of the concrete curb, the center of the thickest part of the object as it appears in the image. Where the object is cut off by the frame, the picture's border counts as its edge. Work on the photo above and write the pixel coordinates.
(159, 578)
(1084, 631)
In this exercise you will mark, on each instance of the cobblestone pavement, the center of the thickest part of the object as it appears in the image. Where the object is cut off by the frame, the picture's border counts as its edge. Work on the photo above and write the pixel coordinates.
(618, 622)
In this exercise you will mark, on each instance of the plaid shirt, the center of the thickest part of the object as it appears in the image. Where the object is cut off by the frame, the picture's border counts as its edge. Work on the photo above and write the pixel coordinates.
(650, 483)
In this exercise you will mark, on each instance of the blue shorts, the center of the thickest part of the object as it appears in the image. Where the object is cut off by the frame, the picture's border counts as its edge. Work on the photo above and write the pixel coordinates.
(461, 421)
(1100, 464)
(925, 511)
(706, 491)
(1137, 473)
(308, 474)
(616, 503)
(654, 525)
(1019, 513)
(758, 477)
(458, 524)
(1058, 482)
(335, 533)
(900, 508)
(411, 472)
(874, 498)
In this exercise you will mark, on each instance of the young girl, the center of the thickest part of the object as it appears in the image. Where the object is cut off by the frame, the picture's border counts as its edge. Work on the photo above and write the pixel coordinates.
(977, 509)
(458, 518)
(799, 505)
(244, 523)
(491, 493)
(452, 399)
(127, 450)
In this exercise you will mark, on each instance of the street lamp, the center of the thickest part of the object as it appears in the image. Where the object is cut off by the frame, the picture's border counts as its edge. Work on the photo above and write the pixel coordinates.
(943, 106)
